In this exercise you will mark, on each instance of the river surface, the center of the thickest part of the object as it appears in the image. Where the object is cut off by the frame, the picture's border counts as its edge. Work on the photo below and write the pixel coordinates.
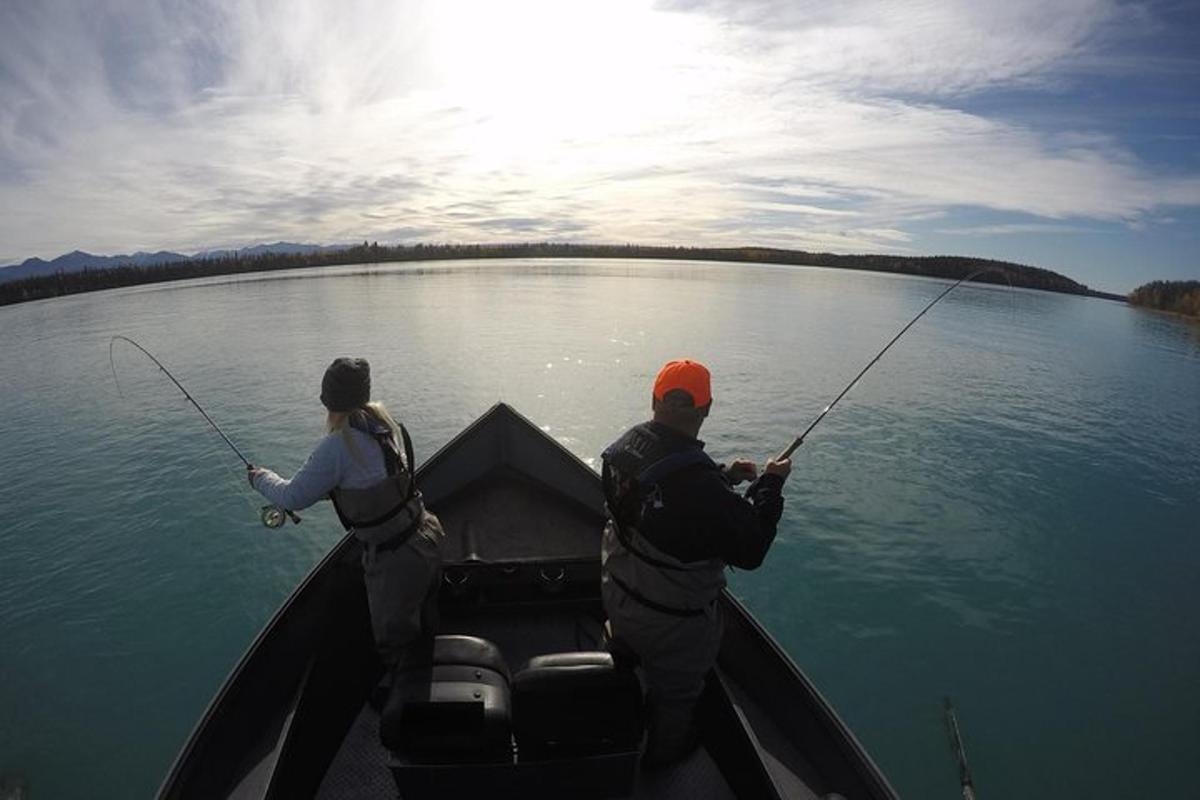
(1004, 511)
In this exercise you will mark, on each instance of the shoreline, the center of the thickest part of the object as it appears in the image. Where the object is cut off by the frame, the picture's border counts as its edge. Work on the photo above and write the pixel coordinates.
(63, 283)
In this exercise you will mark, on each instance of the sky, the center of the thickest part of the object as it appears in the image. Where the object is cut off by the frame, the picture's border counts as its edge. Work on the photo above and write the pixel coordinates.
(1064, 135)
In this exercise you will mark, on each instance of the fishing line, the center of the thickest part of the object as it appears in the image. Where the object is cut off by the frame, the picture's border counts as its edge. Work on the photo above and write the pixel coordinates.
(271, 516)
(799, 440)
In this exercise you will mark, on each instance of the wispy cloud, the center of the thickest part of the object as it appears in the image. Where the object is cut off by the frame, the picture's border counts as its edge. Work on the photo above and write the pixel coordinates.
(799, 124)
(1016, 229)
(943, 47)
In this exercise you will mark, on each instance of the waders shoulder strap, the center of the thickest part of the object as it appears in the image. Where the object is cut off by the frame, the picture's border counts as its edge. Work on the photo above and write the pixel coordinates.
(409, 458)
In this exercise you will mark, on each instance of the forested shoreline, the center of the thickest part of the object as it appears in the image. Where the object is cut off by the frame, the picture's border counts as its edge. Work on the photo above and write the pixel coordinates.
(951, 267)
(1178, 297)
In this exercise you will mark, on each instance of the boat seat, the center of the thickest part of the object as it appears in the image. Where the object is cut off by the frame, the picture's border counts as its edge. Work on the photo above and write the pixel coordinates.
(473, 651)
(568, 705)
(455, 708)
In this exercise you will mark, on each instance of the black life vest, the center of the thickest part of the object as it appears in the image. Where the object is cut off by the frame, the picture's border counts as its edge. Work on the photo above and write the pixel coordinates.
(634, 468)
(388, 512)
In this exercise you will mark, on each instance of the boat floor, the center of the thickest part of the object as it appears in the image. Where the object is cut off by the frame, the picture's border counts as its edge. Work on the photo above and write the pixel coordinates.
(360, 767)
(360, 770)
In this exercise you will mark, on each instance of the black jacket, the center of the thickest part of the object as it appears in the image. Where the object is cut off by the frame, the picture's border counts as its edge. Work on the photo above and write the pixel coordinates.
(701, 516)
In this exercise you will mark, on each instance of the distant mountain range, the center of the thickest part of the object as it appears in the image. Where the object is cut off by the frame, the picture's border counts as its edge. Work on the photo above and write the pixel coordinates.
(72, 274)
(77, 260)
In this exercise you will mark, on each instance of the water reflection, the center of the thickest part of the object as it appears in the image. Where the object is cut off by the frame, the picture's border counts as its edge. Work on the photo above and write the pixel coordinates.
(1010, 493)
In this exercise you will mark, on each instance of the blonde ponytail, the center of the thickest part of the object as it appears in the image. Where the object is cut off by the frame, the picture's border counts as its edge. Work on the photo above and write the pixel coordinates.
(339, 422)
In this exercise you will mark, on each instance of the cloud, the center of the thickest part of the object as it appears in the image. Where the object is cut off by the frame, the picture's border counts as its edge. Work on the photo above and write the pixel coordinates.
(795, 124)
(1016, 229)
(931, 48)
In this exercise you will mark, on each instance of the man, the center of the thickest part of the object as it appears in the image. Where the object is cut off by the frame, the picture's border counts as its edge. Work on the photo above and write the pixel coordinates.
(675, 523)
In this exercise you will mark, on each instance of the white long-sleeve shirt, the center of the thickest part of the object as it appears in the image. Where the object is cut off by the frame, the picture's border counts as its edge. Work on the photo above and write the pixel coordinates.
(331, 465)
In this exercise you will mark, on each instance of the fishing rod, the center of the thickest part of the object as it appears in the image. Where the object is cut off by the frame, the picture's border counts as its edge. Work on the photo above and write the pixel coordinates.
(799, 440)
(271, 516)
(964, 772)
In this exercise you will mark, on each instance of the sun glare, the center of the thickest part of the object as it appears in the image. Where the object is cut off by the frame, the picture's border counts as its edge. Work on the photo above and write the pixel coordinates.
(543, 74)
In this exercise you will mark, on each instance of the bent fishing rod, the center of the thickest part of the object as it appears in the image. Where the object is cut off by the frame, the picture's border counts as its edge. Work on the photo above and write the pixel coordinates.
(271, 516)
(799, 440)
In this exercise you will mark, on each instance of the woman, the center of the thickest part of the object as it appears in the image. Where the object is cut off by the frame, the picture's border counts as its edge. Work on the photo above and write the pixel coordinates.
(361, 467)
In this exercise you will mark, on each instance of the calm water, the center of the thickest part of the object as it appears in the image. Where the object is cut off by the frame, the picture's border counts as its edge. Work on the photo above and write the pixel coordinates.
(1004, 511)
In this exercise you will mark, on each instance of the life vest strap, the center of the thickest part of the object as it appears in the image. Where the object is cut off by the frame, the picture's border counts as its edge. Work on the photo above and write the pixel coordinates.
(385, 442)
(661, 469)
(387, 517)
(399, 538)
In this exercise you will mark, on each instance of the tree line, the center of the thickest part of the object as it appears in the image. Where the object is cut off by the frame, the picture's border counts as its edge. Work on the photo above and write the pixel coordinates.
(951, 267)
(1180, 297)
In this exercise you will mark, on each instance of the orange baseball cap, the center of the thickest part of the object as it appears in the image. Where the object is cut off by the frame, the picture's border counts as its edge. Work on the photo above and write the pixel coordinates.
(686, 375)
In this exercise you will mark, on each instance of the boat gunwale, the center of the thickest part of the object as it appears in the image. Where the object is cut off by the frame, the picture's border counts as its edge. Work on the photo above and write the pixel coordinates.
(317, 573)
(849, 745)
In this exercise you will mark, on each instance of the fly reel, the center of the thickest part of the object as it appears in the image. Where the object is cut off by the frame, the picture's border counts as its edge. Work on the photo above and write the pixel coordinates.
(273, 516)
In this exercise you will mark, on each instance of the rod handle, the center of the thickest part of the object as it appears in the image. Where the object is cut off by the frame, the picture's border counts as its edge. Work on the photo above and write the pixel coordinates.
(791, 449)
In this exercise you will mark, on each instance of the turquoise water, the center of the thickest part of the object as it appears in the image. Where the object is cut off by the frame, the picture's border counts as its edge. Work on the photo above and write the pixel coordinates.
(1004, 510)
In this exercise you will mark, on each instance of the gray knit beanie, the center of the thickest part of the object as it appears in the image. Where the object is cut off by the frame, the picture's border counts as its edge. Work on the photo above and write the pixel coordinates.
(346, 385)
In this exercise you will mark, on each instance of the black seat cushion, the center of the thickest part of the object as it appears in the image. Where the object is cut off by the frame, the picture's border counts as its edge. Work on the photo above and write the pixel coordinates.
(576, 704)
(456, 709)
(471, 651)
